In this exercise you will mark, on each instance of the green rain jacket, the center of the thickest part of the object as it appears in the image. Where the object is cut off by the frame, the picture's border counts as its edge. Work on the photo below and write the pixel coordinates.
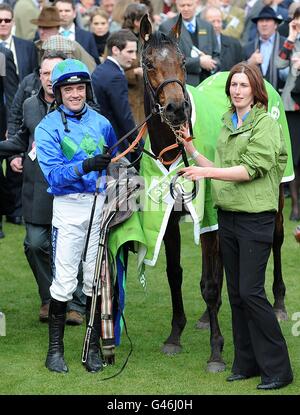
(259, 146)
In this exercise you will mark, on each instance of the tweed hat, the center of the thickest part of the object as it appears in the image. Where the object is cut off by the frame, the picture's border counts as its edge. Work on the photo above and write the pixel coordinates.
(49, 17)
(267, 13)
(60, 43)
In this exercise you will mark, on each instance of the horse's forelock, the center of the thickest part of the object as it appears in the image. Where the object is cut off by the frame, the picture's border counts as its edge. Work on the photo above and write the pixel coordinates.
(159, 39)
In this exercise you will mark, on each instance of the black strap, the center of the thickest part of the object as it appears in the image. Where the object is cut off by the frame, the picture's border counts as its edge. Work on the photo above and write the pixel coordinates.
(183, 154)
(64, 120)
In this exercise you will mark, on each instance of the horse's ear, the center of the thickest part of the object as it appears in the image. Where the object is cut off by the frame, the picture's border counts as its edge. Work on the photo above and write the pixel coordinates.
(145, 28)
(176, 29)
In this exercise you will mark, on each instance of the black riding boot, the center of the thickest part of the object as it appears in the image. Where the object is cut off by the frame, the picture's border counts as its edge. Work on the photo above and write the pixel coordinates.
(94, 362)
(57, 316)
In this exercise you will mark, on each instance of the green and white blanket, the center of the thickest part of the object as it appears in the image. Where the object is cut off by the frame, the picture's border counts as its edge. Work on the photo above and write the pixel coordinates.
(147, 227)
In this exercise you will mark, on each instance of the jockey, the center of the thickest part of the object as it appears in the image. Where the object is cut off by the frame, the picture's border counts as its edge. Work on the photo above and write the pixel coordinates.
(70, 143)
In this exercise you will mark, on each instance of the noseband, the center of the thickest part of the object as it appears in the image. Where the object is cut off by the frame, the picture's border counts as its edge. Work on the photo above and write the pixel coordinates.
(154, 96)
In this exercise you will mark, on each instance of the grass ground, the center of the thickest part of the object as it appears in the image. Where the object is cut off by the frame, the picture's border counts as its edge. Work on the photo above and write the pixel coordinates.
(149, 372)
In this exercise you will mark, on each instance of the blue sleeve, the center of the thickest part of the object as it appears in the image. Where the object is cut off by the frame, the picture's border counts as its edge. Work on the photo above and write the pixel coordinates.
(51, 160)
(111, 139)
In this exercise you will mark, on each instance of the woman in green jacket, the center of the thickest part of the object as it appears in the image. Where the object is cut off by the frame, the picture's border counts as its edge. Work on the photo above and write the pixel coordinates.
(249, 163)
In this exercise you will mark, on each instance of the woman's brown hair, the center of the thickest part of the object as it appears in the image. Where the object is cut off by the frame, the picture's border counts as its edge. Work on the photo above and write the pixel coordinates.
(256, 81)
(97, 11)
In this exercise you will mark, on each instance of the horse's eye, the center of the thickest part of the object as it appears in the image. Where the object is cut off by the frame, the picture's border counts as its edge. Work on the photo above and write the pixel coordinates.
(183, 62)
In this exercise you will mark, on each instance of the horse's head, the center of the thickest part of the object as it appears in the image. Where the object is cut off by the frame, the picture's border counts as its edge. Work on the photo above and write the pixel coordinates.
(164, 73)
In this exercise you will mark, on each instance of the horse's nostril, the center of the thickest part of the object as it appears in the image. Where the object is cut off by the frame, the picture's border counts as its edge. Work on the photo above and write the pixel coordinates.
(171, 107)
(174, 108)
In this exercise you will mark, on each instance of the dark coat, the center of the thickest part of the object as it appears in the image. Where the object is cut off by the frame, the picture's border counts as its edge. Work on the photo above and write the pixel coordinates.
(27, 88)
(251, 47)
(6, 197)
(26, 56)
(111, 90)
(87, 41)
(206, 42)
(36, 202)
(231, 52)
(8, 86)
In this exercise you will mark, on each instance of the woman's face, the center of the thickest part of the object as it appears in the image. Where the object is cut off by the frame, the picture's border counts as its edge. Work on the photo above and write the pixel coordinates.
(241, 92)
(99, 25)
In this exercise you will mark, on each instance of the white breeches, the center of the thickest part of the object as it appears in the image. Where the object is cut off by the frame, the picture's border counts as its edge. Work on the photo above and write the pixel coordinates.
(71, 216)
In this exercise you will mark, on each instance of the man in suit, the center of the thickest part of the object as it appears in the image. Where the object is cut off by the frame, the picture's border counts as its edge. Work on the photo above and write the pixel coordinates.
(110, 84)
(250, 29)
(8, 87)
(230, 48)
(24, 51)
(197, 42)
(266, 46)
(68, 29)
(25, 58)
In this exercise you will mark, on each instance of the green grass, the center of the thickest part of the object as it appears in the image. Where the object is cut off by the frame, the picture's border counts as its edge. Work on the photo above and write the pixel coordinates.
(148, 314)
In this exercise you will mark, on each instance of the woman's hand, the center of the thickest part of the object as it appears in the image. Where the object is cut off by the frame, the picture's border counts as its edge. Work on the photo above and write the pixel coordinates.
(193, 173)
(186, 139)
(293, 30)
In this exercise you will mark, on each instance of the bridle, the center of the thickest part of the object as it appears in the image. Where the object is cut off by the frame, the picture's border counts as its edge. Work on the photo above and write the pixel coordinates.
(175, 187)
(157, 108)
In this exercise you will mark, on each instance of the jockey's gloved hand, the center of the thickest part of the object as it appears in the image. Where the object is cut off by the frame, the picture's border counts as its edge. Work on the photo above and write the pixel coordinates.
(96, 163)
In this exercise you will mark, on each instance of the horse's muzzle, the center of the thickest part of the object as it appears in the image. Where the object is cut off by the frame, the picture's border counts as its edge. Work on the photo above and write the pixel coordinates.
(177, 113)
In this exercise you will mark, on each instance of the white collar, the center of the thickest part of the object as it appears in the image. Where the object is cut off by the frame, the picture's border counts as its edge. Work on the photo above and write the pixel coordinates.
(116, 62)
(71, 28)
(193, 21)
(8, 40)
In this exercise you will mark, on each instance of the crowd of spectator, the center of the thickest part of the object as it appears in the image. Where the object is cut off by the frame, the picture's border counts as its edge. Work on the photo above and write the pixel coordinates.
(104, 34)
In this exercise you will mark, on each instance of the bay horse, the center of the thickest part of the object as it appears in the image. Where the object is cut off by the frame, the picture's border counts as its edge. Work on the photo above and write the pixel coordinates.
(166, 98)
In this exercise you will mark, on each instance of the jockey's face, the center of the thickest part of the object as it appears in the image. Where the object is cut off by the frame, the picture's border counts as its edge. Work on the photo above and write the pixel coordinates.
(74, 96)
